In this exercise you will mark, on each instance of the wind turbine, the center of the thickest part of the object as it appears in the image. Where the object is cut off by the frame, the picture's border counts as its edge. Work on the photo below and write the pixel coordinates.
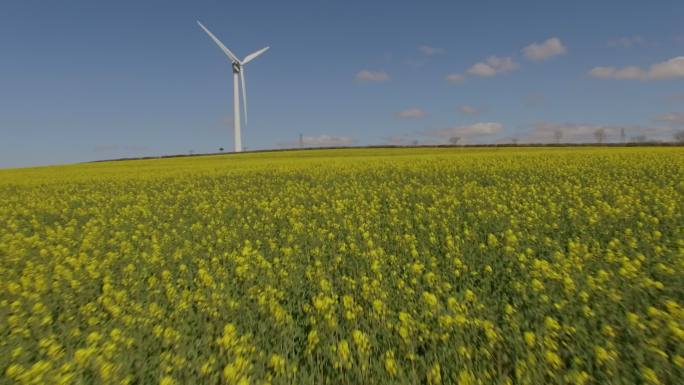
(238, 70)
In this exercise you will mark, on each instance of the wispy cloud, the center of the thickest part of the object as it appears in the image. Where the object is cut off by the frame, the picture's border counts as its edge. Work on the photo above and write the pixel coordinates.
(468, 110)
(455, 78)
(545, 50)
(431, 51)
(492, 66)
(400, 140)
(372, 76)
(325, 140)
(625, 73)
(412, 113)
(547, 132)
(469, 131)
(669, 69)
(673, 118)
(627, 41)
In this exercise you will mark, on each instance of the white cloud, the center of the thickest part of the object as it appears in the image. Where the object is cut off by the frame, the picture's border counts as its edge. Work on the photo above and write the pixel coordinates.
(674, 118)
(455, 78)
(412, 113)
(542, 51)
(431, 51)
(670, 69)
(492, 66)
(631, 72)
(627, 41)
(472, 130)
(482, 69)
(372, 76)
(468, 110)
(673, 68)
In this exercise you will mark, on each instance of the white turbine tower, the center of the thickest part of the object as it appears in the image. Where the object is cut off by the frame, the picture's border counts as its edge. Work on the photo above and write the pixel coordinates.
(238, 70)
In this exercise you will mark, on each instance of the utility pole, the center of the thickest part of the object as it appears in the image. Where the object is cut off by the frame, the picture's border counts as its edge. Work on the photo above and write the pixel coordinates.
(301, 140)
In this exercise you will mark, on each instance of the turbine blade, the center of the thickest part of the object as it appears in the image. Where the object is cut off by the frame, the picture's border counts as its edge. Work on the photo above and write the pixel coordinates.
(244, 92)
(254, 55)
(218, 42)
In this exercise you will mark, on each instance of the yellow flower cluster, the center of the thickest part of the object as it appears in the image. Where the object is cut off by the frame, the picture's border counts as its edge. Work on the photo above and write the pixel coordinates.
(434, 266)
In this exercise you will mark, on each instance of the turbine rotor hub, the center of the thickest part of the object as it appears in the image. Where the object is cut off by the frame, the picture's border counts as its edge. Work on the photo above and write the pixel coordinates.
(237, 67)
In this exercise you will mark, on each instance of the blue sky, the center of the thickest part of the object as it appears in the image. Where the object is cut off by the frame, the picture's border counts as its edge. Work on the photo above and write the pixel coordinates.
(84, 80)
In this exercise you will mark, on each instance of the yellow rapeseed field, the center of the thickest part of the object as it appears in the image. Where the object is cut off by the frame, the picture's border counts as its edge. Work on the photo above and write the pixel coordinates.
(368, 266)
